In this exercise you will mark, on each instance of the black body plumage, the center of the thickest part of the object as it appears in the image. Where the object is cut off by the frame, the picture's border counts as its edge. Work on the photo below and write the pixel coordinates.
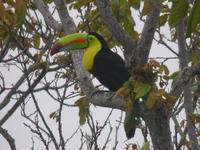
(109, 68)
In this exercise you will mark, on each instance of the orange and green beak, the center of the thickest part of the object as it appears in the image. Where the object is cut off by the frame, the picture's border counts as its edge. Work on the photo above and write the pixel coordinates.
(71, 42)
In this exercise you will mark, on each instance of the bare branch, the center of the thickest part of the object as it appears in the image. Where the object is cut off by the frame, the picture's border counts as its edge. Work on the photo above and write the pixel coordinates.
(22, 98)
(6, 100)
(67, 21)
(117, 131)
(105, 99)
(144, 45)
(38, 109)
(188, 104)
(183, 136)
(184, 77)
(73, 134)
(44, 10)
(8, 137)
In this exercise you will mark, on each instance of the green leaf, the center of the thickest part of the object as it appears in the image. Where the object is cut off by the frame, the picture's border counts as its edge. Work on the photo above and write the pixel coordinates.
(146, 146)
(195, 56)
(178, 11)
(61, 59)
(196, 118)
(115, 6)
(83, 104)
(122, 92)
(41, 65)
(9, 18)
(2, 11)
(148, 7)
(48, 1)
(141, 89)
(164, 69)
(36, 41)
(135, 4)
(163, 19)
(174, 76)
(20, 12)
(151, 100)
(170, 100)
(194, 18)
(80, 3)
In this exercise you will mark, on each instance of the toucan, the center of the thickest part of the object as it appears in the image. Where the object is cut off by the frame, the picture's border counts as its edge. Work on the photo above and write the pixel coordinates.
(108, 67)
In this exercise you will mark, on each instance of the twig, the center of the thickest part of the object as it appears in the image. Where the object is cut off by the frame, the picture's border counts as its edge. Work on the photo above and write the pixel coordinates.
(8, 138)
(117, 130)
(22, 98)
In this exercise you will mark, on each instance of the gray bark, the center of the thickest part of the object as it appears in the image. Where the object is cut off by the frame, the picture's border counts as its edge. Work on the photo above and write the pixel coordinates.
(157, 120)
(188, 104)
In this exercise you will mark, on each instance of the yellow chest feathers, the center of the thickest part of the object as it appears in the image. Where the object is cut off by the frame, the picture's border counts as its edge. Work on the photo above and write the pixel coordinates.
(90, 53)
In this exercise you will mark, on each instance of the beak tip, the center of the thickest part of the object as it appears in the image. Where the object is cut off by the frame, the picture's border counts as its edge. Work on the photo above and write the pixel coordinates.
(55, 49)
(52, 52)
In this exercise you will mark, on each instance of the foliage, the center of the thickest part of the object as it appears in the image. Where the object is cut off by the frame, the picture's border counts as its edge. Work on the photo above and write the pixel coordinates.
(194, 18)
(178, 11)
(83, 104)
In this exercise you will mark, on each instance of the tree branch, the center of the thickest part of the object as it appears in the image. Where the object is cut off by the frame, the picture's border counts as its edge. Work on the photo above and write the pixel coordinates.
(115, 28)
(67, 22)
(6, 100)
(44, 10)
(188, 103)
(22, 98)
(144, 45)
(184, 77)
(8, 137)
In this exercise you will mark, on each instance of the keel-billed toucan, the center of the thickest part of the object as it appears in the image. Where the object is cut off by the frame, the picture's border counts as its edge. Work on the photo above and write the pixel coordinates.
(107, 66)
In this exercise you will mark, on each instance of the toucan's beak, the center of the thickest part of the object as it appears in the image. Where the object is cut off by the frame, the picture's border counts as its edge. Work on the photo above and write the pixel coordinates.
(70, 42)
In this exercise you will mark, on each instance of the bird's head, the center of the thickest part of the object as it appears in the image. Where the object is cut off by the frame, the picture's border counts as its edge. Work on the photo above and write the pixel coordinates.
(75, 41)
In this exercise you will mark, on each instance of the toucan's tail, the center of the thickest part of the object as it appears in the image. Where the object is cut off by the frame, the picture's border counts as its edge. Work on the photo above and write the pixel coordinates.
(132, 119)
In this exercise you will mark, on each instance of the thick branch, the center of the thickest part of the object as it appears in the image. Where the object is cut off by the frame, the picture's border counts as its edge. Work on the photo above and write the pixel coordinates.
(44, 10)
(184, 77)
(157, 120)
(67, 22)
(144, 45)
(182, 54)
(188, 104)
(106, 99)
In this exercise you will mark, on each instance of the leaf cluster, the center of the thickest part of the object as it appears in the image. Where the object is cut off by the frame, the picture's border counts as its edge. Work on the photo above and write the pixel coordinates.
(142, 85)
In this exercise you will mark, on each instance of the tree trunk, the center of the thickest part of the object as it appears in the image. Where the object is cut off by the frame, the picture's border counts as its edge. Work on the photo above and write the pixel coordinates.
(157, 121)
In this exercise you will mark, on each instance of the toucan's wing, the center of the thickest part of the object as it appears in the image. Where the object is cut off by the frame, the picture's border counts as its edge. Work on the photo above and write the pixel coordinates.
(109, 68)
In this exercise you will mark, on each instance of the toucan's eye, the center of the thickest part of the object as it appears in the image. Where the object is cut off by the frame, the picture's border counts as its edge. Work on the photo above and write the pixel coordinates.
(90, 38)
